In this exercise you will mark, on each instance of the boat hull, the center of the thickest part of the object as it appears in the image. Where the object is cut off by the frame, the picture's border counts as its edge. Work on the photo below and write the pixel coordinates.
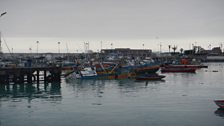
(186, 66)
(147, 69)
(219, 103)
(178, 70)
(102, 76)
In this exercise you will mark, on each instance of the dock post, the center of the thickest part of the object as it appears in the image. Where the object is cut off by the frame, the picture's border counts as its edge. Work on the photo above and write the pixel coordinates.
(45, 76)
(8, 88)
(14, 79)
(29, 78)
(7, 79)
(38, 76)
(21, 87)
(21, 79)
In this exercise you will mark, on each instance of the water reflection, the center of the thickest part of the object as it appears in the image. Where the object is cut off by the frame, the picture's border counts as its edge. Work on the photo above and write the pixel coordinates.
(99, 88)
(87, 84)
(219, 112)
(123, 83)
(100, 85)
(31, 91)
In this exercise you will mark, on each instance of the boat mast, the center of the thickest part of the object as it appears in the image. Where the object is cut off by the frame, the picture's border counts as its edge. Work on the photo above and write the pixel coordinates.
(0, 43)
(0, 34)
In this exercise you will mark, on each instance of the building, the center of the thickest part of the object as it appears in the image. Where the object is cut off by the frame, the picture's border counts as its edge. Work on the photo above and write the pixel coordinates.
(128, 52)
(216, 51)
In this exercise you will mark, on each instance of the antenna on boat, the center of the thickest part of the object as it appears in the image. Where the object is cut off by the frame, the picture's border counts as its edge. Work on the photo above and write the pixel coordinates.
(0, 34)
(0, 42)
(5, 44)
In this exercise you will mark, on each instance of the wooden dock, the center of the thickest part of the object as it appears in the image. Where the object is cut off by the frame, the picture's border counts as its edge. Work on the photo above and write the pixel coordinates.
(21, 75)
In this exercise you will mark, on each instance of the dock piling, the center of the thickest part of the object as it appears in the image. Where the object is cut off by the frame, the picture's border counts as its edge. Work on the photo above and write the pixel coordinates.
(26, 75)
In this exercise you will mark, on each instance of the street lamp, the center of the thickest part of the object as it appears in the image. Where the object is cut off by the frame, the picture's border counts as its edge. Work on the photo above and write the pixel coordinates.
(59, 47)
(37, 46)
(30, 50)
(111, 45)
(101, 43)
(160, 47)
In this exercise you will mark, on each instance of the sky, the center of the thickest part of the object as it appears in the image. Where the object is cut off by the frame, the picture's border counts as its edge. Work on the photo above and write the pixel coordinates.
(114, 23)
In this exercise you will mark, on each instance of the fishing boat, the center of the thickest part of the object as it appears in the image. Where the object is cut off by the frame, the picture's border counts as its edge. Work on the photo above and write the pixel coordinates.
(182, 70)
(68, 66)
(152, 77)
(85, 73)
(147, 67)
(105, 67)
(123, 72)
(115, 72)
(219, 103)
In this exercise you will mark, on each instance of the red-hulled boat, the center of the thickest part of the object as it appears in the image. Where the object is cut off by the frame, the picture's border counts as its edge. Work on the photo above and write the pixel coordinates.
(186, 66)
(219, 103)
(182, 70)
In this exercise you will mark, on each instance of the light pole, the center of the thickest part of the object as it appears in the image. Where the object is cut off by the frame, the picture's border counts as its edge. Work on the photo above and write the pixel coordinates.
(59, 47)
(101, 44)
(37, 46)
(30, 50)
(111, 45)
(143, 45)
(160, 48)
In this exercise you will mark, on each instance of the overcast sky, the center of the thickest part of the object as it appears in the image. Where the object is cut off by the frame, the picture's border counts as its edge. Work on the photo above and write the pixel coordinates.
(123, 22)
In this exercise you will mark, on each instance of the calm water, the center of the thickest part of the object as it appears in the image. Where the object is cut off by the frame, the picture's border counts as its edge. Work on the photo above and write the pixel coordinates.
(181, 100)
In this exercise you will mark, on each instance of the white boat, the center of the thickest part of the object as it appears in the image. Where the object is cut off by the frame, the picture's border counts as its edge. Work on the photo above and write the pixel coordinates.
(85, 73)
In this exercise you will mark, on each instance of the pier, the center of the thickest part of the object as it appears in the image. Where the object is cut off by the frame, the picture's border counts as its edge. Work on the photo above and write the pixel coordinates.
(20, 75)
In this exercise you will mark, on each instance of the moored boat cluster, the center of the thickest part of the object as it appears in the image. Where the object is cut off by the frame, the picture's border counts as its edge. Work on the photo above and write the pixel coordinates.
(122, 69)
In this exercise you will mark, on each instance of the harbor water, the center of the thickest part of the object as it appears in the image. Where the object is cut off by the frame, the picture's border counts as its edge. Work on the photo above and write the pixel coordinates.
(181, 99)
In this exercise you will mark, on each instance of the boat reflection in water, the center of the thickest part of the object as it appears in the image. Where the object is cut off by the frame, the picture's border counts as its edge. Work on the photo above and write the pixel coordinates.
(97, 88)
(219, 112)
(49, 92)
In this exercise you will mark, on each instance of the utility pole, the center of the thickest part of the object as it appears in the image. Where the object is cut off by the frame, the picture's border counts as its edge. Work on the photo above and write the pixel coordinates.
(101, 44)
(37, 46)
(30, 50)
(160, 48)
(111, 45)
(59, 47)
